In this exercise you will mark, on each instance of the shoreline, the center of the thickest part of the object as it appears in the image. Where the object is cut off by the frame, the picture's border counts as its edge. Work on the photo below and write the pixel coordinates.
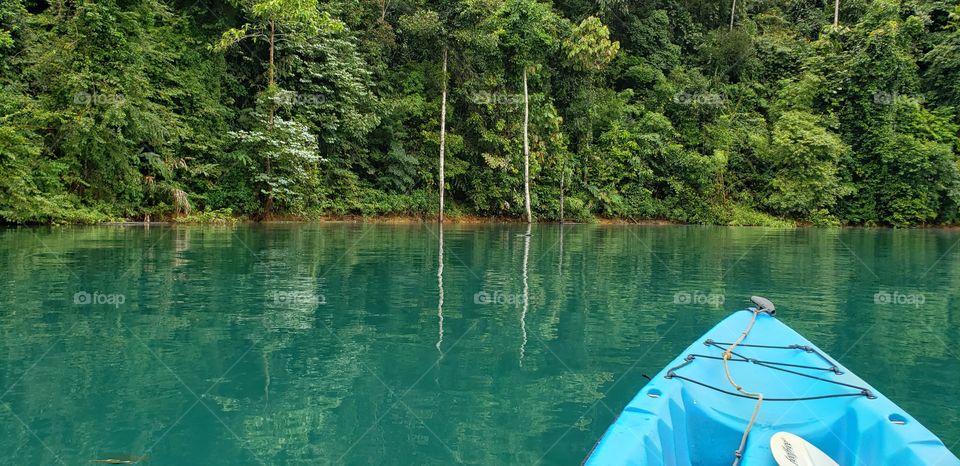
(460, 220)
(396, 220)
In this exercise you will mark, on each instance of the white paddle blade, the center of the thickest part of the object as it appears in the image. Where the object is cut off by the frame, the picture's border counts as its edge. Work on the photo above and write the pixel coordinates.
(791, 450)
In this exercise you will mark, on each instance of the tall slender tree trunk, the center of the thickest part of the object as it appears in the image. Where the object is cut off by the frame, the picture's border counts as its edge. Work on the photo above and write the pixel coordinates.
(526, 148)
(270, 68)
(268, 202)
(443, 131)
(733, 10)
(836, 14)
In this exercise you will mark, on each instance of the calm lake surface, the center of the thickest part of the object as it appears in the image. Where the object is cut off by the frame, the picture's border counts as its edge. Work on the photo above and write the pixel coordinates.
(359, 344)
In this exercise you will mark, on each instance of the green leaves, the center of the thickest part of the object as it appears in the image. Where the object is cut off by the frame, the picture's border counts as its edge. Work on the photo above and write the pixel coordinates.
(117, 109)
(804, 159)
(234, 36)
(589, 48)
(290, 150)
(423, 24)
(943, 61)
(11, 14)
(291, 19)
(531, 31)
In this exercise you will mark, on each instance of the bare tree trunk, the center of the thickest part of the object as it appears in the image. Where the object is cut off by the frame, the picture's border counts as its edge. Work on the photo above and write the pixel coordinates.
(268, 202)
(526, 148)
(836, 14)
(270, 77)
(443, 130)
(733, 10)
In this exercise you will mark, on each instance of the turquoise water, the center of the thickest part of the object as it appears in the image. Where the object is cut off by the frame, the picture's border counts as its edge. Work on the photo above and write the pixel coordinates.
(347, 343)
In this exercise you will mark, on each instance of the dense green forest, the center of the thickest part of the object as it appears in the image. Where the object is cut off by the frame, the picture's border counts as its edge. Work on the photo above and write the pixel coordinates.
(740, 112)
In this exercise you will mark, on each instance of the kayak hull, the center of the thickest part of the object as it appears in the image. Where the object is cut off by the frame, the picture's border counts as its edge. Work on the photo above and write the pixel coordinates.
(688, 414)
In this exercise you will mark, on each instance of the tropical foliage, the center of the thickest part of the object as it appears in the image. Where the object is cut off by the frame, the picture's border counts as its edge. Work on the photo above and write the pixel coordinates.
(148, 109)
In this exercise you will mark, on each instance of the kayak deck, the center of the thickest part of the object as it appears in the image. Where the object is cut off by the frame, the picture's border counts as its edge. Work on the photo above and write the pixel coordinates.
(689, 414)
